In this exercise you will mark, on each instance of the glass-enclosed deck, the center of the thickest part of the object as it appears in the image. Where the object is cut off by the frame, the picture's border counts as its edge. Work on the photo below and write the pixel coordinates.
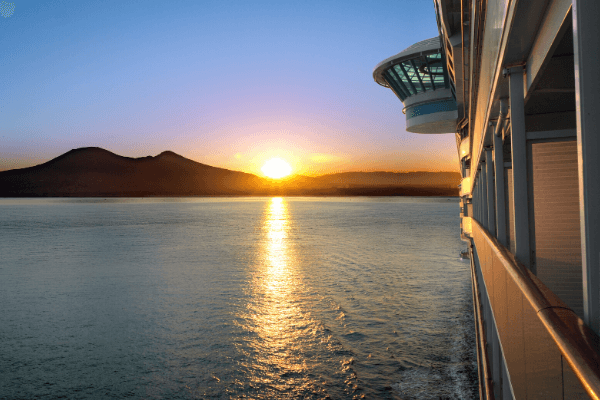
(419, 78)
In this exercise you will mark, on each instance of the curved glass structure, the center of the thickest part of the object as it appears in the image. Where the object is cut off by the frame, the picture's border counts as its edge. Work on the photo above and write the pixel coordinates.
(417, 75)
(419, 78)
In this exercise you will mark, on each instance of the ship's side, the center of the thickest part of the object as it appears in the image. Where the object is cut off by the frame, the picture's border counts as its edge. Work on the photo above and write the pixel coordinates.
(517, 82)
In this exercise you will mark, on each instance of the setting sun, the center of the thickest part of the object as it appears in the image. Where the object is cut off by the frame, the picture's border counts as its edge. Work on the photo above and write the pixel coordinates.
(276, 168)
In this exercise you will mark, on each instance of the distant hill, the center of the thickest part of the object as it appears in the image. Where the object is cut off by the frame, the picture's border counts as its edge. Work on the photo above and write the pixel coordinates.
(377, 179)
(95, 172)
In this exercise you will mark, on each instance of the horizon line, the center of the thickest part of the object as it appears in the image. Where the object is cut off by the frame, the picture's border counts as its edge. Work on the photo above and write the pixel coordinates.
(191, 159)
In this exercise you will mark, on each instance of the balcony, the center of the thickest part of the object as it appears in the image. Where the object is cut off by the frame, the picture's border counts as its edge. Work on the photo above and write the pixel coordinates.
(548, 351)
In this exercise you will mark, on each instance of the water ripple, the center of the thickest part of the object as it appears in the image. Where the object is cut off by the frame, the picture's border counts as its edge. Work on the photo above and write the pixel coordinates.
(234, 298)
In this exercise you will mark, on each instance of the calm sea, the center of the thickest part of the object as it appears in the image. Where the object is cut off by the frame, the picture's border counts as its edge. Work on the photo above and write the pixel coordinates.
(260, 298)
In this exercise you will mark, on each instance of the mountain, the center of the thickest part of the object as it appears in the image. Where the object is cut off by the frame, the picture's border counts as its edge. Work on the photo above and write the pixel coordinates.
(390, 179)
(95, 172)
(92, 171)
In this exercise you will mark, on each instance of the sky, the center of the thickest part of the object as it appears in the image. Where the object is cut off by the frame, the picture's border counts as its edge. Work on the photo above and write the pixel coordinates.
(226, 83)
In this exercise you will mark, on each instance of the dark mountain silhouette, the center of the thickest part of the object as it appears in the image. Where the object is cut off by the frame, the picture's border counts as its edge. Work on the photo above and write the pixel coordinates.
(95, 172)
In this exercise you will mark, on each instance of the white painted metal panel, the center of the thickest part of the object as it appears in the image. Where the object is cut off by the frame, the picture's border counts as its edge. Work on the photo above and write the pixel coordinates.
(496, 13)
(465, 146)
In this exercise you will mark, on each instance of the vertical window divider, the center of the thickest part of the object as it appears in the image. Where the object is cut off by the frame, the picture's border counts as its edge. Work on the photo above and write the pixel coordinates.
(430, 74)
(407, 77)
(393, 70)
(395, 88)
(412, 62)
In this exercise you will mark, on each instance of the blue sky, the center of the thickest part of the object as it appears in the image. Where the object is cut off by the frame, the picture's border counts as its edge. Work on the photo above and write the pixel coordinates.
(226, 83)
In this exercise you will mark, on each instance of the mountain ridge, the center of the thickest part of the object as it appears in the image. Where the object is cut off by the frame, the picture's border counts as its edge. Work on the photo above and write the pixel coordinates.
(97, 172)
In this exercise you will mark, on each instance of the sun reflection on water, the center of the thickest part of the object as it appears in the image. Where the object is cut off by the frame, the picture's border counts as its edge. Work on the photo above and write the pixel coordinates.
(276, 226)
(281, 333)
(276, 285)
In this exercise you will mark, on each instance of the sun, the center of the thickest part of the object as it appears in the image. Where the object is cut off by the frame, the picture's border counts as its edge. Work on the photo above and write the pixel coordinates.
(276, 168)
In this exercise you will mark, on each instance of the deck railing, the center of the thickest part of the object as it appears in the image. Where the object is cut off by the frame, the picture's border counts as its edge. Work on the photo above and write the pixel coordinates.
(549, 352)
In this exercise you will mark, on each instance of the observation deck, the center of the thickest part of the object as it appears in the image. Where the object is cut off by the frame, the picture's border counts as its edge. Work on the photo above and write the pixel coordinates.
(418, 76)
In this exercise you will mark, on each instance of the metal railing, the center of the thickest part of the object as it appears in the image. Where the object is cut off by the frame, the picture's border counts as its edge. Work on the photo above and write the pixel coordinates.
(548, 350)
(485, 380)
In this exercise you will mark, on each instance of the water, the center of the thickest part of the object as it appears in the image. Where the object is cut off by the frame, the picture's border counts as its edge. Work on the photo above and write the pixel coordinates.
(262, 298)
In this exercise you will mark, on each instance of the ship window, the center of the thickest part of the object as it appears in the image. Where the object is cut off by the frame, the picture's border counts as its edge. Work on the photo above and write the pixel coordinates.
(426, 76)
(401, 84)
(412, 76)
(394, 86)
(420, 74)
(404, 79)
(437, 69)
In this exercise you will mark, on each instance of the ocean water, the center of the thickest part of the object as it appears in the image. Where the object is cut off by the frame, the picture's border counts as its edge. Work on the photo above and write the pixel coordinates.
(231, 298)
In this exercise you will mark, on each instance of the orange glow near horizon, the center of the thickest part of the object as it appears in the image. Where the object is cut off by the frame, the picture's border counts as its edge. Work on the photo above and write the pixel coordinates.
(313, 160)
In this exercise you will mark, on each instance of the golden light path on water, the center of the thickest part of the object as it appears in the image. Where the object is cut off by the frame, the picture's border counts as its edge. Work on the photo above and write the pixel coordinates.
(285, 339)
(277, 285)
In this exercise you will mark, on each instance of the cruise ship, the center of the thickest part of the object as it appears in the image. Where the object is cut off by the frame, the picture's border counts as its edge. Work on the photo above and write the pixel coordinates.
(518, 84)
